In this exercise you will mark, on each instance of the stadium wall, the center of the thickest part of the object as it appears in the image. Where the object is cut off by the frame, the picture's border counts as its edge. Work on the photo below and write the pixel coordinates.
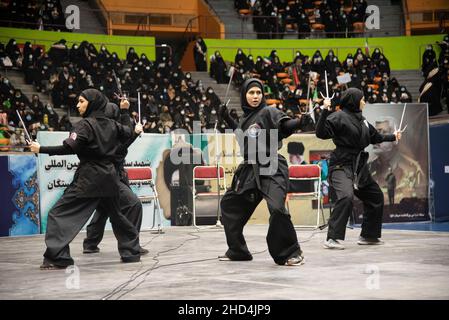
(118, 44)
(403, 53)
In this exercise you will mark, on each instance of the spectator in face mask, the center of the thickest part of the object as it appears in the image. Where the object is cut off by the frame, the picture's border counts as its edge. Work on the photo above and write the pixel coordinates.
(13, 52)
(132, 57)
(37, 106)
(199, 54)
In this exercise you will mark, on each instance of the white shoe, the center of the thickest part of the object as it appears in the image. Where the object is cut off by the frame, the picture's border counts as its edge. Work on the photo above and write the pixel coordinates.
(370, 241)
(333, 244)
(295, 261)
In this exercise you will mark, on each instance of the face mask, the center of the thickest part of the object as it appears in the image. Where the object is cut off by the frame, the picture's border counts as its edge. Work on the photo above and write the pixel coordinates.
(144, 96)
(213, 111)
(183, 112)
(188, 76)
(70, 87)
(28, 117)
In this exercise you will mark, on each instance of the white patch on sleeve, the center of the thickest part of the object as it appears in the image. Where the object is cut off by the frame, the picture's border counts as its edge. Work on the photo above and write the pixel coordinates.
(366, 123)
(73, 136)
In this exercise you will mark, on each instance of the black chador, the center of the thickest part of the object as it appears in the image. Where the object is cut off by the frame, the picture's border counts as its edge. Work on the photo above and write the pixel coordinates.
(348, 172)
(130, 205)
(262, 175)
(94, 140)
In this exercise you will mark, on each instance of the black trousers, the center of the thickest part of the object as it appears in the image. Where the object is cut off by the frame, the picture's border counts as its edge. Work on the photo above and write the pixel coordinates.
(373, 203)
(70, 214)
(130, 208)
(237, 208)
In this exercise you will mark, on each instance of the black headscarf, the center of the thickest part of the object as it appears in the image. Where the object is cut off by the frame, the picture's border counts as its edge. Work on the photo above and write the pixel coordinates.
(112, 111)
(247, 85)
(350, 100)
(97, 103)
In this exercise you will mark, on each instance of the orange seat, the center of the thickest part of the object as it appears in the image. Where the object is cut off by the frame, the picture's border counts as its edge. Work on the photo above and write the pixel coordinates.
(309, 11)
(347, 9)
(290, 27)
(302, 101)
(359, 26)
(318, 26)
(286, 81)
(282, 75)
(374, 86)
(273, 101)
(244, 12)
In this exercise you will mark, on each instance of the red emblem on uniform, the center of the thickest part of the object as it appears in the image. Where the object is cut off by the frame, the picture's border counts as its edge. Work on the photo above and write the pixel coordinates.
(73, 136)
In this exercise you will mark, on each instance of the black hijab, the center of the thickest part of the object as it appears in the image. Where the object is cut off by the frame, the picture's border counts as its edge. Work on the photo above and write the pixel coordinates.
(247, 85)
(97, 103)
(350, 100)
(112, 111)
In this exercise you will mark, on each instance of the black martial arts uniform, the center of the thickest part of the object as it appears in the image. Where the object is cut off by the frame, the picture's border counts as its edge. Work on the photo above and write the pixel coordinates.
(348, 172)
(256, 179)
(94, 140)
(130, 205)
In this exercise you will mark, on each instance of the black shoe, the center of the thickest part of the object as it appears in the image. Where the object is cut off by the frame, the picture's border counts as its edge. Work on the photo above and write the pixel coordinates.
(130, 259)
(225, 257)
(51, 266)
(143, 251)
(91, 250)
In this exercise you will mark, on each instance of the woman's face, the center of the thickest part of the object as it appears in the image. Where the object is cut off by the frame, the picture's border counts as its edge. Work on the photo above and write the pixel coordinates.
(254, 97)
(362, 103)
(82, 105)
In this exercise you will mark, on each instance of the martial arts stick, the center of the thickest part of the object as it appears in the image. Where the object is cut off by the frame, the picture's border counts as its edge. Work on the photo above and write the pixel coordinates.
(28, 137)
(138, 106)
(402, 118)
(231, 75)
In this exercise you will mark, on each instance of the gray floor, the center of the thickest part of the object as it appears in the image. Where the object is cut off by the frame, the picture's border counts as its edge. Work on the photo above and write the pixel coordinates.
(182, 264)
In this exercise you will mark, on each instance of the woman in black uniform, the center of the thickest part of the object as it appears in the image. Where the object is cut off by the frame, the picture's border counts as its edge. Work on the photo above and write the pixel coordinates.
(94, 140)
(348, 172)
(262, 175)
(130, 205)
